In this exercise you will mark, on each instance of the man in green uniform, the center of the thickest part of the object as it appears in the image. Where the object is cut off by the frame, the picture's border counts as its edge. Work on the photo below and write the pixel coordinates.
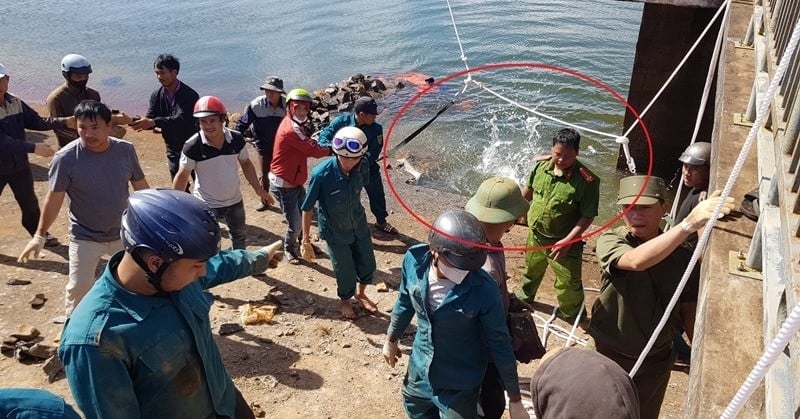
(564, 195)
(641, 267)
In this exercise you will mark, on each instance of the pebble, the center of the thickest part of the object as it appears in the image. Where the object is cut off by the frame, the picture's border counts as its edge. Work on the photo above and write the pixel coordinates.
(346, 345)
(37, 301)
(230, 328)
(306, 351)
(17, 281)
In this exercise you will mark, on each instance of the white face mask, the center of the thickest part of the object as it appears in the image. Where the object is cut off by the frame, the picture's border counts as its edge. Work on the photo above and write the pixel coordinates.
(453, 274)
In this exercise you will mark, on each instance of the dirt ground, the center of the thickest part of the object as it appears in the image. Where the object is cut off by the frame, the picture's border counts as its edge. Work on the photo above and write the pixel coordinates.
(310, 362)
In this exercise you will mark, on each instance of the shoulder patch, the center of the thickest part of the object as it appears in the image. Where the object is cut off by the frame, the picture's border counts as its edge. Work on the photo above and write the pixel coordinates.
(586, 174)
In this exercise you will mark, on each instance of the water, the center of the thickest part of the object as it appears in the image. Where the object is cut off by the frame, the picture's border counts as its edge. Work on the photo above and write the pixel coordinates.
(227, 49)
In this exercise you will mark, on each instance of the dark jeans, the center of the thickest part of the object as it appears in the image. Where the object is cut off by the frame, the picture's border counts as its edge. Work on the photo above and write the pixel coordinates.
(290, 200)
(492, 395)
(21, 184)
(243, 410)
(377, 199)
(235, 219)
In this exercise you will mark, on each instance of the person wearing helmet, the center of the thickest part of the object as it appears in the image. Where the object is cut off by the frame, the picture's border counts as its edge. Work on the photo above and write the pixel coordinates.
(214, 154)
(15, 169)
(564, 197)
(288, 171)
(336, 185)
(170, 110)
(696, 170)
(94, 172)
(140, 345)
(460, 322)
(497, 204)
(365, 110)
(264, 114)
(63, 100)
(641, 267)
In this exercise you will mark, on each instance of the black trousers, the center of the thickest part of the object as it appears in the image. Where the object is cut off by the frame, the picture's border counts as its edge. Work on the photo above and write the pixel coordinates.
(21, 184)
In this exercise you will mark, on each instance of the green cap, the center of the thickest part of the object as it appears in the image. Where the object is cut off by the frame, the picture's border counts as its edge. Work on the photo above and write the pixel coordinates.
(498, 200)
(631, 186)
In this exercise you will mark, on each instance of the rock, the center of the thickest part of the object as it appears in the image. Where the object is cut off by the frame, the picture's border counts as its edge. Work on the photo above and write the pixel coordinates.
(17, 281)
(381, 287)
(41, 351)
(257, 410)
(308, 311)
(229, 328)
(306, 351)
(377, 86)
(37, 301)
(292, 373)
(53, 368)
(346, 345)
(26, 333)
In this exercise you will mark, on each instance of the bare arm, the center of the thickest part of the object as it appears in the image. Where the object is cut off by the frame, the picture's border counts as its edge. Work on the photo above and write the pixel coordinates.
(306, 226)
(527, 193)
(181, 179)
(252, 178)
(653, 251)
(52, 205)
(139, 184)
(561, 247)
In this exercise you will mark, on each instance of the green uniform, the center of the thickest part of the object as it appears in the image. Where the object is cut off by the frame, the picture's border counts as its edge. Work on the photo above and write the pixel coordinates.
(630, 306)
(558, 202)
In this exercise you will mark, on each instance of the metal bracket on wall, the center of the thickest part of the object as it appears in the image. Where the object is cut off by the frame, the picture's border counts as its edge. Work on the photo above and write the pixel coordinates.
(737, 266)
(740, 119)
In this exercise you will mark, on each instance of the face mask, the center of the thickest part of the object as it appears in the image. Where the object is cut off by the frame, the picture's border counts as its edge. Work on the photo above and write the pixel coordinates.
(80, 85)
(453, 274)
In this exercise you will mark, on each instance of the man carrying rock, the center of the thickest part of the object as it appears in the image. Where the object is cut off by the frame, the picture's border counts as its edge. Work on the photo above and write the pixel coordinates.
(141, 345)
(171, 110)
(15, 170)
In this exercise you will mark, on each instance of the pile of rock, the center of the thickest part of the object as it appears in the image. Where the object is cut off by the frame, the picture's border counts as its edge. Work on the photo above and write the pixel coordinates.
(26, 346)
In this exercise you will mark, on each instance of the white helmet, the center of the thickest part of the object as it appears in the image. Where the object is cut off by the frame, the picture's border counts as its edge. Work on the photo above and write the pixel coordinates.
(349, 142)
(74, 63)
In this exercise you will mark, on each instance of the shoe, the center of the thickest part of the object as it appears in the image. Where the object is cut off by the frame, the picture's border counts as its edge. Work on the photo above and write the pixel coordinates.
(51, 240)
(386, 228)
(262, 206)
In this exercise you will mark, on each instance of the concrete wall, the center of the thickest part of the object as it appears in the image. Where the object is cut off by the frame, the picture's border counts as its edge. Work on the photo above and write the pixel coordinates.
(684, 3)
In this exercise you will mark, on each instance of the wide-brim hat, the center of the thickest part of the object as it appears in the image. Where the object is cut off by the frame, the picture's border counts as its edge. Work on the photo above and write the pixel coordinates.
(629, 188)
(274, 84)
(498, 200)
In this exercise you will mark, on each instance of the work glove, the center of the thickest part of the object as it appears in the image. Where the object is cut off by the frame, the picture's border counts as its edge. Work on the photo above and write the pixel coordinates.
(33, 247)
(517, 411)
(391, 353)
(307, 251)
(274, 255)
(698, 217)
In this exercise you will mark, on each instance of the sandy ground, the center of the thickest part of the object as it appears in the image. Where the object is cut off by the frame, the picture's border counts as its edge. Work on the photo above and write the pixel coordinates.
(308, 363)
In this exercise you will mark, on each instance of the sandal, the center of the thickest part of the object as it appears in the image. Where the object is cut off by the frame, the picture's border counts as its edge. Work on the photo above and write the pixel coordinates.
(386, 228)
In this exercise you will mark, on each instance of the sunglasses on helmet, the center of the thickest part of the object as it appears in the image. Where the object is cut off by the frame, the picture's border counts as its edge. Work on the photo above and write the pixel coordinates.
(351, 144)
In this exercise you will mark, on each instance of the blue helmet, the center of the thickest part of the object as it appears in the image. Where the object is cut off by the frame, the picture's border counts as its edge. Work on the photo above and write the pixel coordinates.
(172, 224)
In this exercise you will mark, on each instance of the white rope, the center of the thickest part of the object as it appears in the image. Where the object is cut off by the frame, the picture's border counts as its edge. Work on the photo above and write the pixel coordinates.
(635, 123)
(712, 67)
(458, 38)
(787, 331)
(762, 114)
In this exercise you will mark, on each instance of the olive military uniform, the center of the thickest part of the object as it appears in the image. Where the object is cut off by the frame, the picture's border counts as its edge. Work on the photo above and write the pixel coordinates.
(559, 201)
(630, 306)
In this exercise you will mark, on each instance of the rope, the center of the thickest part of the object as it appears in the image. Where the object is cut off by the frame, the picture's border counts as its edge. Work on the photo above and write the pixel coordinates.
(702, 109)
(792, 322)
(761, 116)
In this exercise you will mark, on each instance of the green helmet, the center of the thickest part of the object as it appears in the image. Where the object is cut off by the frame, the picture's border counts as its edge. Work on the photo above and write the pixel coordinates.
(298, 94)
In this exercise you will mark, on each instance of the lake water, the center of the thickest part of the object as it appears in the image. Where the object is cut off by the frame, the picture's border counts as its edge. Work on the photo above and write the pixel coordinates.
(228, 48)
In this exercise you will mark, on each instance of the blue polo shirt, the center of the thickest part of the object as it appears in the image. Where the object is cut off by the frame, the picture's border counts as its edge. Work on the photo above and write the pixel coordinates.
(341, 216)
(132, 356)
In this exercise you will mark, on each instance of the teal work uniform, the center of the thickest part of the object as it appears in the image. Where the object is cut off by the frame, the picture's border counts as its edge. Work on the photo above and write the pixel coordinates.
(558, 202)
(343, 222)
(630, 306)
